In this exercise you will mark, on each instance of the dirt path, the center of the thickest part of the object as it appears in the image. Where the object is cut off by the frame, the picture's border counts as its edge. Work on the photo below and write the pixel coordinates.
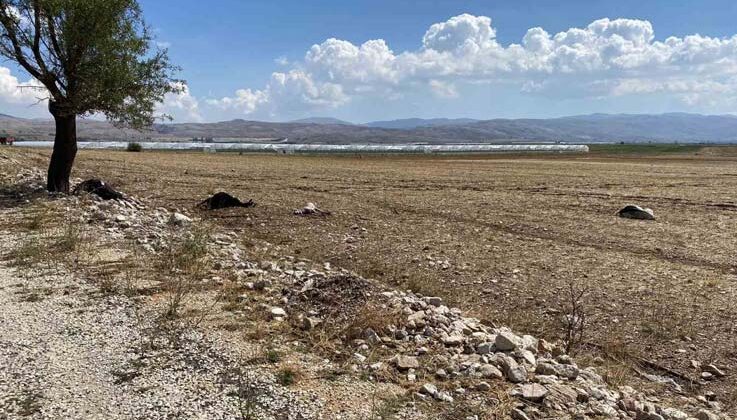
(68, 351)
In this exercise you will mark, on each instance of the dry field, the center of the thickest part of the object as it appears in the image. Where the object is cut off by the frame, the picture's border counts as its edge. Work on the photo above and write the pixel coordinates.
(508, 238)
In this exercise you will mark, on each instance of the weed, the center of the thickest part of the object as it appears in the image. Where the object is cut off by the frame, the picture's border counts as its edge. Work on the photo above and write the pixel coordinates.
(385, 408)
(272, 356)
(182, 265)
(288, 375)
(574, 319)
(31, 252)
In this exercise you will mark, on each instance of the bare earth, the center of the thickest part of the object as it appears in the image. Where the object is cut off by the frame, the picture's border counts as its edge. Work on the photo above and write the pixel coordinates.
(502, 237)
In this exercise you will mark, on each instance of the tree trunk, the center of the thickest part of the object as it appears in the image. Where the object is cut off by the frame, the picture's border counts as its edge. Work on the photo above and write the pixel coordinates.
(65, 150)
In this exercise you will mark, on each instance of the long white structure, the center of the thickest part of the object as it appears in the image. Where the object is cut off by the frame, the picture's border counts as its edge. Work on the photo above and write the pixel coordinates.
(282, 148)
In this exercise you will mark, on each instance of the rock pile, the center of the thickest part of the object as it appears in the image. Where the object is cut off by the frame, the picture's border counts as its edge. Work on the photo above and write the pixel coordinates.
(436, 342)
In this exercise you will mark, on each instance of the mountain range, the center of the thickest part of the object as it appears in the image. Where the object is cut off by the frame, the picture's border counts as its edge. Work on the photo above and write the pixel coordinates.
(673, 127)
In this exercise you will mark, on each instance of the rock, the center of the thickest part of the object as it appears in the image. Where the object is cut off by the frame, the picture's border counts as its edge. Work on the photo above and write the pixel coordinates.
(485, 348)
(418, 318)
(515, 372)
(506, 341)
(434, 301)
(673, 414)
(359, 357)
(714, 371)
(528, 357)
(429, 389)
(453, 340)
(530, 343)
(444, 397)
(309, 323)
(706, 415)
(372, 337)
(519, 414)
(483, 387)
(178, 219)
(277, 312)
(564, 371)
(563, 395)
(490, 371)
(707, 376)
(406, 362)
(637, 212)
(532, 392)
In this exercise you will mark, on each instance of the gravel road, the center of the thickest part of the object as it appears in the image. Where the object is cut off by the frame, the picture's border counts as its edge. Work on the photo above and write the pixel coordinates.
(69, 352)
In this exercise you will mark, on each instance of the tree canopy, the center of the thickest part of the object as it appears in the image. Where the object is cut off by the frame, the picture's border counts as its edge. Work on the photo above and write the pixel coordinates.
(89, 57)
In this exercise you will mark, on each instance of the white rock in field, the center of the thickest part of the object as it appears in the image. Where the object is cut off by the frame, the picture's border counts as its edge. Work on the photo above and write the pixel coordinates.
(507, 341)
(532, 392)
(178, 219)
(490, 371)
(429, 389)
(406, 362)
(277, 312)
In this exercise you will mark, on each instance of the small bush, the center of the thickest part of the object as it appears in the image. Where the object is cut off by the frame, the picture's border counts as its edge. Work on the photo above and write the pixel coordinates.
(287, 375)
(273, 356)
(134, 147)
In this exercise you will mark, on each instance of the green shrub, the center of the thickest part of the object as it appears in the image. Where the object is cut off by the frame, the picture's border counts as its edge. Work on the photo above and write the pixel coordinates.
(134, 147)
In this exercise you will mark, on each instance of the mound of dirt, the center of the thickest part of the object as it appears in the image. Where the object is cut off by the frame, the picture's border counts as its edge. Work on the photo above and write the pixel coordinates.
(337, 297)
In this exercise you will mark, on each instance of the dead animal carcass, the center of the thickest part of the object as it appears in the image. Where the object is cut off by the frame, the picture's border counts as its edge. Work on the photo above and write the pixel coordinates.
(224, 200)
(311, 209)
(98, 188)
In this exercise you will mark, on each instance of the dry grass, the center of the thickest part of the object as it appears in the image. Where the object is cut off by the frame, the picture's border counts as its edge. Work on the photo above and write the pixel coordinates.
(513, 229)
(182, 268)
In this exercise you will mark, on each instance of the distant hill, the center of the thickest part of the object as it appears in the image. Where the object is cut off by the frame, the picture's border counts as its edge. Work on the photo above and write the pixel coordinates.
(410, 123)
(322, 121)
(577, 129)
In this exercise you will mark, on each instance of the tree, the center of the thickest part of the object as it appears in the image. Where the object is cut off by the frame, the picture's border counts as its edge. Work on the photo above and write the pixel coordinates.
(89, 57)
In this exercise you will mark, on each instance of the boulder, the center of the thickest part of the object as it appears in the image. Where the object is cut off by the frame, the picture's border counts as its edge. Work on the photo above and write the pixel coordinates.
(406, 362)
(636, 212)
(507, 341)
(532, 392)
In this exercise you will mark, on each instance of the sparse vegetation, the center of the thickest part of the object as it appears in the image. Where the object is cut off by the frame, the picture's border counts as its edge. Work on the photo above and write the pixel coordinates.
(288, 375)
(134, 147)
(574, 320)
(182, 268)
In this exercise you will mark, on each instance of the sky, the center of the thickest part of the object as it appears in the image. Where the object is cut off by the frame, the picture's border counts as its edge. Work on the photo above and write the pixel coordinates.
(373, 60)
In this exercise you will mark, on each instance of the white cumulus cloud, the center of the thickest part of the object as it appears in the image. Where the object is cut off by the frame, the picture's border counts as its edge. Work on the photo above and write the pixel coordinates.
(609, 57)
(181, 106)
(13, 91)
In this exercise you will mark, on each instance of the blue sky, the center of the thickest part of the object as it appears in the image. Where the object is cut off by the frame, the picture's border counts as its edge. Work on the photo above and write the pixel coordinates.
(229, 51)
